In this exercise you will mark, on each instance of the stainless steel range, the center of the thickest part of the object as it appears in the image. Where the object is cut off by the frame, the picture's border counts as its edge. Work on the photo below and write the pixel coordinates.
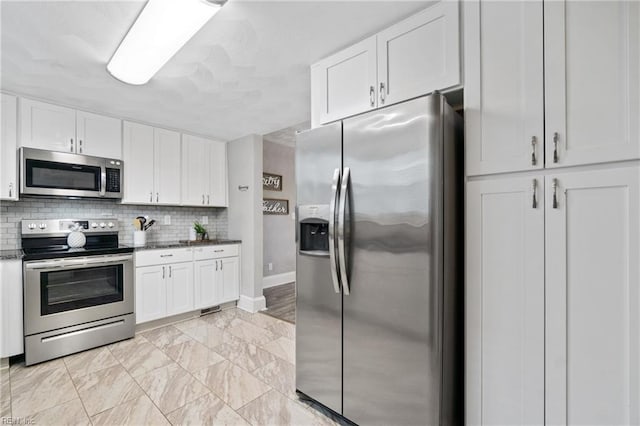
(75, 298)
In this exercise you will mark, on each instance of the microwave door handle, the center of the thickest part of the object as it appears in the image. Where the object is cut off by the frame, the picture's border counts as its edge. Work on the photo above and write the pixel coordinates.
(103, 181)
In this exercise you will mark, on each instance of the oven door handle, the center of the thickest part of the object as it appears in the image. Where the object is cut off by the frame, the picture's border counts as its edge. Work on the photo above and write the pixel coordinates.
(77, 262)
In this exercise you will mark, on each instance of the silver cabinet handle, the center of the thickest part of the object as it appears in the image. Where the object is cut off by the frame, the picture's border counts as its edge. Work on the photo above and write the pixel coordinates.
(71, 147)
(157, 197)
(166, 255)
(80, 145)
(382, 93)
(202, 198)
(554, 185)
(208, 199)
(372, 95)
(335, 186)
(534, 161)
(216, 265)
(10, 189)
(218, 251)
(342, 216)
(169, 271)
(151, 197)
(163, 272)
(535, 190)
(555, 146)
(221, 265)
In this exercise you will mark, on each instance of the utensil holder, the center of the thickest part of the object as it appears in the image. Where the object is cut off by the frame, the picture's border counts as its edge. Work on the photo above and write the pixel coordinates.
(139, 238)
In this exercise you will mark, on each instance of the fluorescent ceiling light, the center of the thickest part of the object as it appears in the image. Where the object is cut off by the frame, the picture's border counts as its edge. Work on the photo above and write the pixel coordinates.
(161, 29)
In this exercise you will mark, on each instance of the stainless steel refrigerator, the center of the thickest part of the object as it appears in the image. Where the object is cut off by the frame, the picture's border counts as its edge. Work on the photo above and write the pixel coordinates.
(379, 265)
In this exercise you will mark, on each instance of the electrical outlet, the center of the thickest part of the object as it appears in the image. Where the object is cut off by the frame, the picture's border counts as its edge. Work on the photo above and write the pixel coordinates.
(271, 266)
(205, 220)
(167, 220)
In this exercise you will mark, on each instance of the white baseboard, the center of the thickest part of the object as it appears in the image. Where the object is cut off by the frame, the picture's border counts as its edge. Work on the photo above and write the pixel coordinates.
(252, 304)
(278, 279)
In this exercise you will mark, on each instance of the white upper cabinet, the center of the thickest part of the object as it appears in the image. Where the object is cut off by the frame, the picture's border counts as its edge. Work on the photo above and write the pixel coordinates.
(47, 126)
(99, 135)
(504, 86)
(420, 54)
(56, 128)
(344, 84)
(409, 59)
(204, 172)
(8, 148)
(505, 302)
(138, 156)
(166, 166)
(593, 297)
(592, 95)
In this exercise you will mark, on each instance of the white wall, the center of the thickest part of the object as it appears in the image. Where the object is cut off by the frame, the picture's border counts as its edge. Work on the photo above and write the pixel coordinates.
(245, 215)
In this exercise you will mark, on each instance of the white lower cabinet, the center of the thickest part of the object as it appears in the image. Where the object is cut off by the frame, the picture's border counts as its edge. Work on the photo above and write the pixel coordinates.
(11, 329)
(229, 279)
(205, 283)
(217, 279)
(593, 297)
(151, 293)
(179, 281)
(561, 348)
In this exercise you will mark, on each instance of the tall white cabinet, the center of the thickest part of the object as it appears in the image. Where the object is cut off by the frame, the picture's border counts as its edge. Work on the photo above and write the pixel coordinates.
(552, 92)
(204, 172)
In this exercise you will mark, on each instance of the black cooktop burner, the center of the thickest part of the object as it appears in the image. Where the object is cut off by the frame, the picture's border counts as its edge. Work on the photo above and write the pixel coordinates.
(56, 247)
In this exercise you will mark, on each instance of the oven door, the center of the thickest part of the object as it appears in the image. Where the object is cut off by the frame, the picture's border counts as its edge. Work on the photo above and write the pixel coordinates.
(62, 174)
(66, 292)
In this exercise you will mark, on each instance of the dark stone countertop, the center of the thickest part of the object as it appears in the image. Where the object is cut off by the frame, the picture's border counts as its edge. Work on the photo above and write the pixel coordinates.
(183, 244)
(11, 254)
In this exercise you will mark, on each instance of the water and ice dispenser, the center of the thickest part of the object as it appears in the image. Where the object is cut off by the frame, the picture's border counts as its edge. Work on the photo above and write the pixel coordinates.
(313, 229)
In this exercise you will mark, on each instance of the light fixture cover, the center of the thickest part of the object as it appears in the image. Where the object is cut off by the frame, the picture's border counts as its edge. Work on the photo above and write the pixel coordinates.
(161, 29)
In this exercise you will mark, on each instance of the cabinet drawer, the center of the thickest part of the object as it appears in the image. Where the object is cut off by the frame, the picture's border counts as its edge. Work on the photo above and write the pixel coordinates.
(216, 252)
(163, 256)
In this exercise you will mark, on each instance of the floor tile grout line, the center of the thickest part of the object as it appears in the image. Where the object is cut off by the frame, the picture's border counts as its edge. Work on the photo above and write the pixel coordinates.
(77, 392)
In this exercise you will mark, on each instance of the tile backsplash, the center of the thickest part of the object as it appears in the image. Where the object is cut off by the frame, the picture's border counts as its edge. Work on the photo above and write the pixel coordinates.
(182, 218)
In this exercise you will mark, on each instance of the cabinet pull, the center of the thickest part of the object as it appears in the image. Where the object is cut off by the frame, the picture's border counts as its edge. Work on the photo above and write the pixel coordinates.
(535, 189)
(218, 251)
(372, 95)
(151, 197)
(534, 161)
(166, 255)
(554, 185)
(216, 265)
(157, 197)
(203, 199)
(221, 265)
(10, 189)
(71, 147)
(208, 199)
(80, 143)
(169, 271)
(555, 146)
(163, 272)
(382, 93)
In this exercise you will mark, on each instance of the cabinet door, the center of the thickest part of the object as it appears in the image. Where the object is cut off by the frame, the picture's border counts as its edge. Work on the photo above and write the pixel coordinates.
(138, 163)
(593, 298)
(99, 135)
(167, 167)
(505, 302)
(179, 288)
(592, 79)
(195, 169)
(503, 94)
(46, 126)
(151, 293)
(229, 279)
(217, 195)
(345, 84)
(205, 280)
(11, 329)
(420, 54)
(8, 147)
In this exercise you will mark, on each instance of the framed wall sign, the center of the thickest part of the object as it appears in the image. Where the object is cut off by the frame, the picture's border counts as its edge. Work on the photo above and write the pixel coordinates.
(271, 182)
(275, 206)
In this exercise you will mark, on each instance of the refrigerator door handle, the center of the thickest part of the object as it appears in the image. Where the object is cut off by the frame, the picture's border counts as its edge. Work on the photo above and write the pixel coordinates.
(342, 210)
(335, 185)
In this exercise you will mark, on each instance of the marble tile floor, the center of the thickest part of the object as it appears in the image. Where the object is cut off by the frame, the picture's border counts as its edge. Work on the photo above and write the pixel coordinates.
(228, 368)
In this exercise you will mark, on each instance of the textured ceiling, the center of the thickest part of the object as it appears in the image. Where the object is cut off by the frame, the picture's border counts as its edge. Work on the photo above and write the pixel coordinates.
(287, 136)
(246, 71)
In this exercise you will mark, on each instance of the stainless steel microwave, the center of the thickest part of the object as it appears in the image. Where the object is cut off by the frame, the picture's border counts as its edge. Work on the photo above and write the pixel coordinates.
(61, 174)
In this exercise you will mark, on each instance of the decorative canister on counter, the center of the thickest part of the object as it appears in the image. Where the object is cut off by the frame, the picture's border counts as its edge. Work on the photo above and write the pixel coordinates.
(139, 238)
(76, 237)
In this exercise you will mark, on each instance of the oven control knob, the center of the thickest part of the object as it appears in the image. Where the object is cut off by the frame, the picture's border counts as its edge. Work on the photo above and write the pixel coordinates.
(110, 224)
(43, 226)
(31, 226)
(102, 224)
(94, 225)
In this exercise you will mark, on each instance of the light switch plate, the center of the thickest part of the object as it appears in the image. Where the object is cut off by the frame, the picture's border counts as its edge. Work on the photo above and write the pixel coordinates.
(205, 220)
(167, 220)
